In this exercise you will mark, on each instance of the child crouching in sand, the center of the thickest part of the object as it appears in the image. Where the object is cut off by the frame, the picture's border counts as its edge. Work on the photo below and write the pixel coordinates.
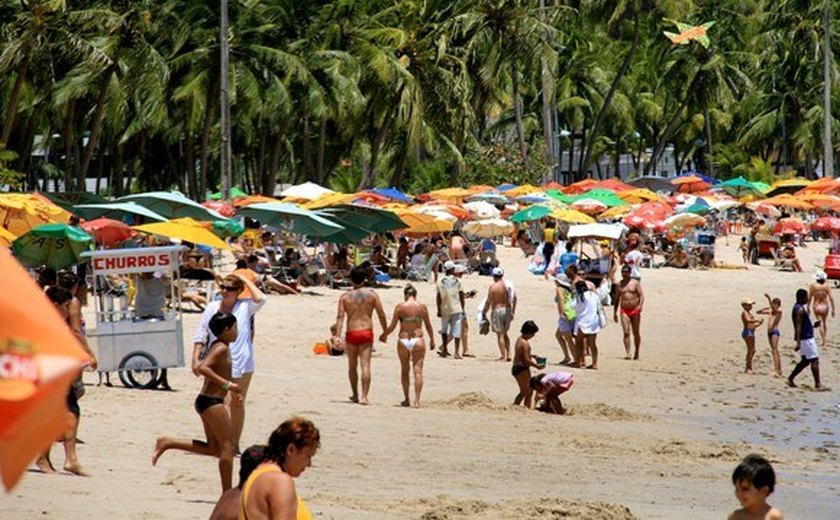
(754, 481)
(523, 360)
(210, 403)
(549, 387)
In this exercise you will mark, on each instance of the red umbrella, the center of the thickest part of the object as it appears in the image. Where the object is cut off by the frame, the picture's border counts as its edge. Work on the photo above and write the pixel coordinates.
(790, 226)
(826, 224)
(690, 184)
(108, 232)
(641, 221)
(223, 208)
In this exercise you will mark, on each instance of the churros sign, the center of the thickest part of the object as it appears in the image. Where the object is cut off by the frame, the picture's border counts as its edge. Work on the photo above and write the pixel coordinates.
(19, 371)
(138, 260)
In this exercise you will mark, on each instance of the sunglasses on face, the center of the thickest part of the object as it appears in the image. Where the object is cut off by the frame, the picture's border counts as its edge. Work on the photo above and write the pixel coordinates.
(229, 288)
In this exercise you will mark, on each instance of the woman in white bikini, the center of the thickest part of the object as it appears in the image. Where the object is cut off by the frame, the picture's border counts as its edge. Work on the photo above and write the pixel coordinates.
(411, 347)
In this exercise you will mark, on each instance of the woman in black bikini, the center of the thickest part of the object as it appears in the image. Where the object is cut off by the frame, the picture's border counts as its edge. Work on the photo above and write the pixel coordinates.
(411, 346)
(209, 404)
(523, 360)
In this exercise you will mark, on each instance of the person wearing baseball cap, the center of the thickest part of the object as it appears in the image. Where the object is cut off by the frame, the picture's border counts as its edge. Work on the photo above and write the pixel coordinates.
(748, 334)
(821, 301)
(450, 309)
(501, 303)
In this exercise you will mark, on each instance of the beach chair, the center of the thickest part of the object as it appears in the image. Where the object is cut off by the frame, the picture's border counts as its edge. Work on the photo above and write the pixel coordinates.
(782, 263)
(422, 273)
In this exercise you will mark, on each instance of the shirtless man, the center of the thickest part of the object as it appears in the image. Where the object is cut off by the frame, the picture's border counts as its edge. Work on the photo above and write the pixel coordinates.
(630, 301)
(456, 247)
(819, 298)
(502, 307)
(358, 305)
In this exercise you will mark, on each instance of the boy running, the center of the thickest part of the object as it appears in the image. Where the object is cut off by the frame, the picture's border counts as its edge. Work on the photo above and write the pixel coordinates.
(774, 310)
(216, 369)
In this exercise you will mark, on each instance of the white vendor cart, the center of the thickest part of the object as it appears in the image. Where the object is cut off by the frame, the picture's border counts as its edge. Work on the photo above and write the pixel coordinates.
(139, 348)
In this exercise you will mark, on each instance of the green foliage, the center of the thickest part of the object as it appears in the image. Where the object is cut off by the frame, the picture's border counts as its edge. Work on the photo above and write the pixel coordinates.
(8, 176)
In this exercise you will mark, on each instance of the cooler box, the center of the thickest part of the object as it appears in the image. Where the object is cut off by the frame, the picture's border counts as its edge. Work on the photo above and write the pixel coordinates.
(832, 267)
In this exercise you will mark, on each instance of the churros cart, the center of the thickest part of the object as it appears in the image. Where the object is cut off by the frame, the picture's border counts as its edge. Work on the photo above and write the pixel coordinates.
(138, 348)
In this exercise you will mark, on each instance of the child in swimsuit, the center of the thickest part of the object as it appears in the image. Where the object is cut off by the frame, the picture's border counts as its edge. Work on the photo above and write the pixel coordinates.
(774, 310)
(210, 403)
(748, 333)
(523, 360)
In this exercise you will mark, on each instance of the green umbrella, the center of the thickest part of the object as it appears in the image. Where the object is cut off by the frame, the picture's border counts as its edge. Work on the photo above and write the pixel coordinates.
(227, 228)
(374, 219)
(535, 212)
(67, 200)
(288, 216)
(607, 197)
(172, 204)
(350, 234)
(116, 211)
(559, 195)
(763, 187)
(740, 187)
(54, 245)
(235, 193)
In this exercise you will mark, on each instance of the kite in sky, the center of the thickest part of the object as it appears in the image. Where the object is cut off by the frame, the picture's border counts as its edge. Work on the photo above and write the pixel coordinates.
(690, 32)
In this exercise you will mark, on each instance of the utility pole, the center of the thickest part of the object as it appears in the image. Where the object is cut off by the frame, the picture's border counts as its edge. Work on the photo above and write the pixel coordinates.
(828, 149)
(225, 102)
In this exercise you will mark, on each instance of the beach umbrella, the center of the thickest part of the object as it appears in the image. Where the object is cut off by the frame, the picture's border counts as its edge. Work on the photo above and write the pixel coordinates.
(415, 219)
(826, 224)
(787, 201)
(638, 195)
(684, 220)
(643, 221)
(698, 207)
(505, 187)
(453, 210)
(252, 199)
(54, 245)
(393, 194)
(293, 218)
(699, 175)
(653, 183)
(6, 237)
(116, 210)
(489, 228)
(480, 210)
(225, 228)
(431, 226)
(615, 212)
(491, 198)
(377, 220)
(186, 229)
(534, 212)
(690, 184)
(764, 209)
(580, 187)
(481, 188)
(560, 196)
(305, 191)
(350, 233)
(605, 196)
(589, 206)
(67, 200)
(533, 198)
(20, 212)
(613, 184)
(790, 226)
(450, 194)
(763, 187)
(820, 200)
(553, 185)
(788, 186)
(740, 187)
(329, 199)
(571, 216)
(224, 209)
(172, 205)
(108, 232)
(41, 357)
(235, 193)
(525, 189)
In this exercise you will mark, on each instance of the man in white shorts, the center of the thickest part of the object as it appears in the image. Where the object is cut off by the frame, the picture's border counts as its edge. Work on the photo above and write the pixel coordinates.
(806, 345)
(450, 308)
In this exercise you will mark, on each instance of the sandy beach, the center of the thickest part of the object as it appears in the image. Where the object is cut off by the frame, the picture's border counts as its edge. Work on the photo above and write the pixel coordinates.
(657, 438)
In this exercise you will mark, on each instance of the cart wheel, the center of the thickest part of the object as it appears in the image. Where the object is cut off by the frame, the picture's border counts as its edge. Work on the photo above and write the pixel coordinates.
(137, 370)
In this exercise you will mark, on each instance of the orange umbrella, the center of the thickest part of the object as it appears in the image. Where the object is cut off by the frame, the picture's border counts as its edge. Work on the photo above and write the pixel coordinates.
(580, 187)
(820, 200)
(690, 184)
(481, 188)
(108, 232)
(821, 185)
(790, 226)
(6, 237)
(253, 199)
(788, 201)
(614, 184)
(222, 208)
(39, 357)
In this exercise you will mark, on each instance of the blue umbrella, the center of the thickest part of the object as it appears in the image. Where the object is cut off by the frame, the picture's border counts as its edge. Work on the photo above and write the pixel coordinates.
(506, 186)
(173, 205)
(393, 193)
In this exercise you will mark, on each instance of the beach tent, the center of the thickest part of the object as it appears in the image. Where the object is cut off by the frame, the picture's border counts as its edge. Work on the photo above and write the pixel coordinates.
(172, 205)
(33, 398)
(305, 191)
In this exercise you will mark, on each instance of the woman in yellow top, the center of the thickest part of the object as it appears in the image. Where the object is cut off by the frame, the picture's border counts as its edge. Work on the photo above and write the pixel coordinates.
(269, 493)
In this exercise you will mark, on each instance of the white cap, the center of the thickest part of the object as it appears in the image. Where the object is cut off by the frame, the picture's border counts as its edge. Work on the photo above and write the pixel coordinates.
(821, 276)
(563, 280)
(498, 271)
(460, 268)
(449, 265)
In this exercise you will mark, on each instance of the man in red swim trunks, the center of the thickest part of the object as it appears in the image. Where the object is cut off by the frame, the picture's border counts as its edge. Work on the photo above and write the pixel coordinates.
(629, 302)
(358, 305)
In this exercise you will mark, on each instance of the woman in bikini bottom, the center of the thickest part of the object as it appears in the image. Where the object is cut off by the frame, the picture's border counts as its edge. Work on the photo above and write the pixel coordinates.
(203, 402)
(411, 347)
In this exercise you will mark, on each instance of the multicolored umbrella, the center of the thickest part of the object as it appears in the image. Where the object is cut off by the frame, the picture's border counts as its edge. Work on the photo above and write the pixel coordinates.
(41, 358)
(54, 245)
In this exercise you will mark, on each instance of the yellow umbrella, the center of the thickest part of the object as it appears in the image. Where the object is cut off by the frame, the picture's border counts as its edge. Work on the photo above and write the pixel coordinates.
(419, 223)
(572, 216)
(788, 201)
(616, 211)
(638, 196)
(453, 194)
(20, 212)
(184, 229)
(6, 237)
(525, 189)
(328, 199)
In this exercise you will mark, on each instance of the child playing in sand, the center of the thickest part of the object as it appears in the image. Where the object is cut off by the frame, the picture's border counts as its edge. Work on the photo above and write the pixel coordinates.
(774, 310)
(334, 343)
(745, 250)
(748, 333)
(210, 403)
(549, 387)
(523, 360)
(754, 480)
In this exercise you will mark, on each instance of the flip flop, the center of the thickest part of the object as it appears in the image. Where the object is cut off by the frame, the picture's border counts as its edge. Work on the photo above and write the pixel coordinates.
(468, 355)
(443, 354)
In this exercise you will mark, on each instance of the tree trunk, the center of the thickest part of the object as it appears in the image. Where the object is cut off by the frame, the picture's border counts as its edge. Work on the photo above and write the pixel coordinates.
(710, 151)
(118, 186)
(599, 119)
(306, 152)
(672, 124)
(96, 124)
(517, 113)
(14, 98)
(68, 145)
(322, 145)
(204, 153)
(270, 180)
(377, 142)
(192, 180)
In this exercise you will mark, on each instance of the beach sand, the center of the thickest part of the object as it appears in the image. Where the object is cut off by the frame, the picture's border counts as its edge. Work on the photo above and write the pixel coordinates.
(656, 438)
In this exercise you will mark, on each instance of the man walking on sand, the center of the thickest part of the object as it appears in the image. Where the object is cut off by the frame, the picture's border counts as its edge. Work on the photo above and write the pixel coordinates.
(501, 302)
(358, 305)
(450, 309)
(629, 303)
